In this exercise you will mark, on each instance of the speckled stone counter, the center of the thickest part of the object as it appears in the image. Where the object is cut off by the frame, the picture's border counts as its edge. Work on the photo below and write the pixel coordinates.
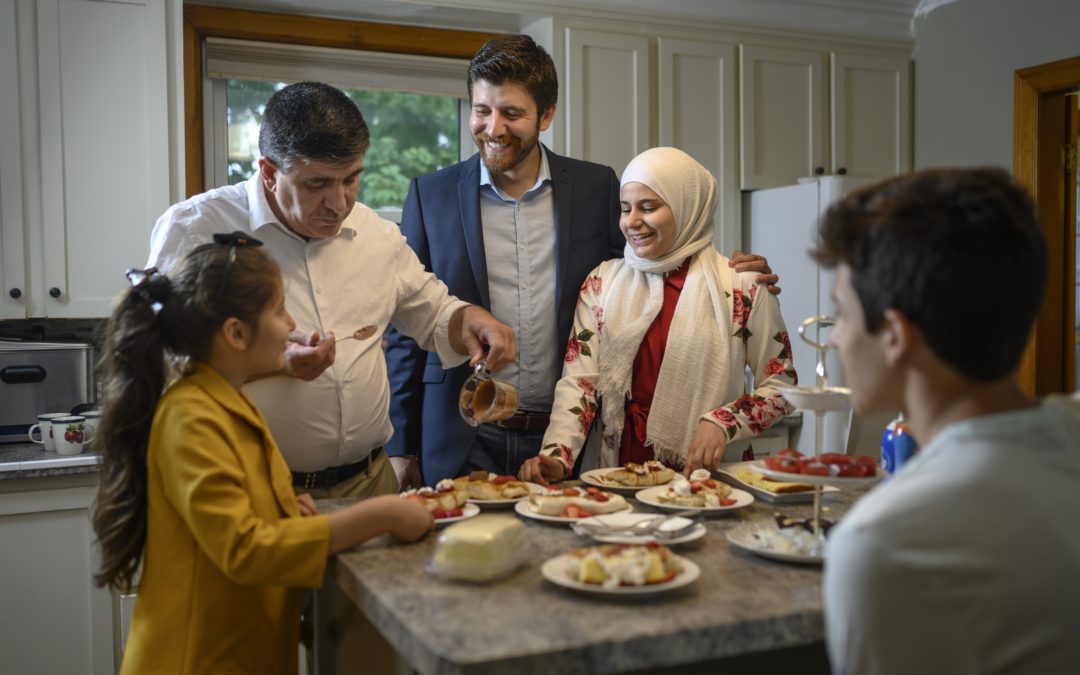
(30, 460)
(741, 605)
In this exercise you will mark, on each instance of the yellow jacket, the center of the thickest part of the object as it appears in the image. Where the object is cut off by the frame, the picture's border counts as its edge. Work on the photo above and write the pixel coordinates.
(226, 548)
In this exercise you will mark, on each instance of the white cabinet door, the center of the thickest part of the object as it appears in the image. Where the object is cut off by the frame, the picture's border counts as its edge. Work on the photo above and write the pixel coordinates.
(104, 145)
(782, 113)
(14, 291)
(871, 116)
(608, 109)
(697, 113)
(52, 618)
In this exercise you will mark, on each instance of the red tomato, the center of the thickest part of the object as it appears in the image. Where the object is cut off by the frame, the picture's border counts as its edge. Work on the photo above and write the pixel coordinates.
(790, 452)
(835, 458)
(815, 469)
(785, 464)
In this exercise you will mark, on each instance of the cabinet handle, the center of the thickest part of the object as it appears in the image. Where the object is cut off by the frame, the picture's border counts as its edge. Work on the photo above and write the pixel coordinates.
(819, 171)
(15, 293)
(842, 171)
(54, 292)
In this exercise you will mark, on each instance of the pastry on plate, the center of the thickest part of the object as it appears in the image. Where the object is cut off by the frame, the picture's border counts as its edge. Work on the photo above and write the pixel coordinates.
(639, 475)
(576, 502)
(484, 486)
(779, 487)
(700, 491)
(623, 565)
(444, 500)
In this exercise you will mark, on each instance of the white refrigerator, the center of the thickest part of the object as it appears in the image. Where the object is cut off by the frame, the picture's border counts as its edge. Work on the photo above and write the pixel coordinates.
(781, 224)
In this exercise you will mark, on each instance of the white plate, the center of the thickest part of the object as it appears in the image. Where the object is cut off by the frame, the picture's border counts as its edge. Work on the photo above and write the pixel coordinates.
(745, 537)
(554, 570)
(727, 473)
(651, 496)
(595, 477)
(467, 511)
(816, 480)
(493, 503)
(529, 511)
(627, 519)
(819, 400)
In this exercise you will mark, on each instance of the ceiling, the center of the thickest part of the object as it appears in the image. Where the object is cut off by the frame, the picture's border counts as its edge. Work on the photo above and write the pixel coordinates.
(882, 19)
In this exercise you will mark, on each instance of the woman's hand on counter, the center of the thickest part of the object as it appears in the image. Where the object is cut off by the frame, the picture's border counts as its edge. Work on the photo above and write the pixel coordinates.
(542, 469)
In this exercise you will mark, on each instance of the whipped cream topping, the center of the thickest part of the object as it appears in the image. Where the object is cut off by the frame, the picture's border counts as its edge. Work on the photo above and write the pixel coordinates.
(681, 487)
(701, 474)
(444, 484)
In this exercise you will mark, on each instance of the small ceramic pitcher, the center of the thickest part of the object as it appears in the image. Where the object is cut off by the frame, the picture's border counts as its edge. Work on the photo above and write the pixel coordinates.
(484, 398)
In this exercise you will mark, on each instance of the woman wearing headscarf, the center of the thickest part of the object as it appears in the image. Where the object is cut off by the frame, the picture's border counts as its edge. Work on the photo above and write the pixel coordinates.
(663, 336)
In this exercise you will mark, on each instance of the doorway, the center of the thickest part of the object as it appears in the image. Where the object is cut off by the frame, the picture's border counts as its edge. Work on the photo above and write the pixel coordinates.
(1046, 135)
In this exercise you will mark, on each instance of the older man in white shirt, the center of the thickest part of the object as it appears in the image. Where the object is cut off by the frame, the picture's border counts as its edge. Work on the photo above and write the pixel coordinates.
(347, 272)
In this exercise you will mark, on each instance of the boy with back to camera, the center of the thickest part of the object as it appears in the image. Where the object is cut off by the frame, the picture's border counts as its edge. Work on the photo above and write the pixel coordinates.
(965, 561)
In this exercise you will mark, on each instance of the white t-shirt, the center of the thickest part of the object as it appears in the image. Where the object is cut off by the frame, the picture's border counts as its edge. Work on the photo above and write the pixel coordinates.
(967, 560)
(366, 275)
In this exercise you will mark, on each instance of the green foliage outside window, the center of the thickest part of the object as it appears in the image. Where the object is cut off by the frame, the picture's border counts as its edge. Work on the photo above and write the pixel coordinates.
(411, 134)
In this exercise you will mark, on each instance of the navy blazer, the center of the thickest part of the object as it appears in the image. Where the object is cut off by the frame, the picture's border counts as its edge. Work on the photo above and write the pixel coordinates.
(441, 220)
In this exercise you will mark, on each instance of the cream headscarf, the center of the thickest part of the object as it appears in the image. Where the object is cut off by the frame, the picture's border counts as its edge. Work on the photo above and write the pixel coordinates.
(694, 373)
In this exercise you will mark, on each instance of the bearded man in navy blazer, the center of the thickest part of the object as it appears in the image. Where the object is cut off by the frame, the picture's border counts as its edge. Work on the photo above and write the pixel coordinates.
(516, 229)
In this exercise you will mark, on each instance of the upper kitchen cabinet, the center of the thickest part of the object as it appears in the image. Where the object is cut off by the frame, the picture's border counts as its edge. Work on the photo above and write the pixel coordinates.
(697, 112)
(607, 113)
(790, 129)
(93, 115)
(782, 115)
(871, 116)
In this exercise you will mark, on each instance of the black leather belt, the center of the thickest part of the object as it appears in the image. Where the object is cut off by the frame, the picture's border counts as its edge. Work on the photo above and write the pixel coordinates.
(334, 475)
(525, 421)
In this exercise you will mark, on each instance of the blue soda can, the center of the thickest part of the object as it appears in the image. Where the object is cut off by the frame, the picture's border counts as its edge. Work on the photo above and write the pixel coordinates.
(897, 445)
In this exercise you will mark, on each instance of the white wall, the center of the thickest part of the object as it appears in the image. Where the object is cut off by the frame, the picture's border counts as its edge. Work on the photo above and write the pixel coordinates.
(966, 54)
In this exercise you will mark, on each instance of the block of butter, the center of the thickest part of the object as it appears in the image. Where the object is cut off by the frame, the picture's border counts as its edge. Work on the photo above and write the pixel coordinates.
(480, 549)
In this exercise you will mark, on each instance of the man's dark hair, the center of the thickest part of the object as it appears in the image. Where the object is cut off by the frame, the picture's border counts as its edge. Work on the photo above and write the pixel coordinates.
(518, 60)
(958, 252)
(312, 121)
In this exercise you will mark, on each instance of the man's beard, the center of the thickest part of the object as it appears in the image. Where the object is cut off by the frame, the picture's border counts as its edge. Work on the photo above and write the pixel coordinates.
(504, 162)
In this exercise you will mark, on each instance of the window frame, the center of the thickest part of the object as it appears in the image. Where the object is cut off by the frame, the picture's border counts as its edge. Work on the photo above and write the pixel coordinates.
(202, 22)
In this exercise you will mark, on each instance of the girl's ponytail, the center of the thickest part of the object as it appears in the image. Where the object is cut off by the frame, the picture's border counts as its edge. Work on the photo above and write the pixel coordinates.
(135, 372)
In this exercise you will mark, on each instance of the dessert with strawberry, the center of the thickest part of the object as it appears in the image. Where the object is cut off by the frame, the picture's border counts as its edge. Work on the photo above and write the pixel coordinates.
(575, 502)
(700, 491)
(444, 500)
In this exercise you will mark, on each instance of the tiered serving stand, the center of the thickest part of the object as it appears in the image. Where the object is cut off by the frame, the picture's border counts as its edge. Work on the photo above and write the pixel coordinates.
(820, 399)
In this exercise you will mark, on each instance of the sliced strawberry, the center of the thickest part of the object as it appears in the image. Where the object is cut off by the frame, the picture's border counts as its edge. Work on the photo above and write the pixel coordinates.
(790, 452)
(724, 501)
(574, 511)
(571, 492)
(710, 483)
(695, 486)
(500, 480)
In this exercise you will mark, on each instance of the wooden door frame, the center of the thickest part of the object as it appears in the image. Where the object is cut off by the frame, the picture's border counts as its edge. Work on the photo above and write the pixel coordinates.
(201, 22)
(1032, 85)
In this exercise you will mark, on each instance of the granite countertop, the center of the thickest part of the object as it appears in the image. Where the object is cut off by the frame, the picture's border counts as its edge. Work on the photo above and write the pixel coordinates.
(740, 605)
(31, 460)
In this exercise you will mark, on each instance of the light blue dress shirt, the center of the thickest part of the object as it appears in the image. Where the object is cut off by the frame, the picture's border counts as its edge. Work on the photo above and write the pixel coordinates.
(519, 247)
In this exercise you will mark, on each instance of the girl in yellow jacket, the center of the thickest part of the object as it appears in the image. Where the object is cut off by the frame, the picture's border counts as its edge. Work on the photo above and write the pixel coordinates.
(193, 487)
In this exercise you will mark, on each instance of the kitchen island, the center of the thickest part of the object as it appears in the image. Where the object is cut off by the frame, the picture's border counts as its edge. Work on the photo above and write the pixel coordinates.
(745, 613)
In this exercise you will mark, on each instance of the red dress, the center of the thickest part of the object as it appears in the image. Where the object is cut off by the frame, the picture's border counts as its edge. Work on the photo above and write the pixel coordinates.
(646, 371)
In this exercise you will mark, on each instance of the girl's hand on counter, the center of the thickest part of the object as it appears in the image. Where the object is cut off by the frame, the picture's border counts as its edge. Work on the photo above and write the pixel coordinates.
(307, 505)
(411, 521)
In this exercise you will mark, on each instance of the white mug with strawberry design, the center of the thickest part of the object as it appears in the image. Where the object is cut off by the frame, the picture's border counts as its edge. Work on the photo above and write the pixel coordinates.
(70, 433)
(44, 429)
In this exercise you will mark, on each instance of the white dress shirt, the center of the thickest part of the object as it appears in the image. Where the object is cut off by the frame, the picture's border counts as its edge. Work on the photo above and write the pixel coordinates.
(366, 275)
(965, 561)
